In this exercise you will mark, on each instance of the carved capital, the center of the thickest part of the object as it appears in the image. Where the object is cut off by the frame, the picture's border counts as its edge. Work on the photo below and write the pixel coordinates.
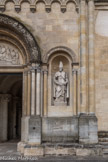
(25, 72)
(5, 97)
(33, 69)
(45, 71)
(38, 70)
(74, 71)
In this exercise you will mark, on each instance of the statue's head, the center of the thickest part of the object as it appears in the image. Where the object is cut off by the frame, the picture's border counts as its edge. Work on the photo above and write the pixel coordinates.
(60, 66)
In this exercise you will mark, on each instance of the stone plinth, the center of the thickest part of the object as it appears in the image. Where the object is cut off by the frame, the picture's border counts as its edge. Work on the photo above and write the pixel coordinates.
(88, 131)
(35, 130)
(60, 129)
(73, 149)
(31, 130)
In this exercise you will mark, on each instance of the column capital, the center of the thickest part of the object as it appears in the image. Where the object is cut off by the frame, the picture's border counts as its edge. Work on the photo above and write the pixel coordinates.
(82, 0)
(38, 69)
(25, 72)
(74, 70)
(32, 69)
(5, 97)
(45, 71)
(90, 0)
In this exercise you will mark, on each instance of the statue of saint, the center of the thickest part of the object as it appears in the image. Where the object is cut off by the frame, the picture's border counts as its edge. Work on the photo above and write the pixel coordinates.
(61, 87)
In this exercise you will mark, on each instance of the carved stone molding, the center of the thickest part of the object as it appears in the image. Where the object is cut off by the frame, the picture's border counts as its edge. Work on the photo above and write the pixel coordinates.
(25, 36)
(33, 3)
(60, 49)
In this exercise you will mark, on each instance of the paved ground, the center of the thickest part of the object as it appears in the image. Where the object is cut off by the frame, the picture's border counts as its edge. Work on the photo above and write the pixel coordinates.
(8, 152)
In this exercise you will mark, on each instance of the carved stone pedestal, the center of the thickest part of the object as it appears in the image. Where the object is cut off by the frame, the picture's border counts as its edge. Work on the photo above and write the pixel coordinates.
(31, 130)
(88, 129)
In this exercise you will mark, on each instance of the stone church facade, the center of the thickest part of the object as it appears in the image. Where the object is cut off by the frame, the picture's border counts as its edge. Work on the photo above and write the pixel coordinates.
(53, 71)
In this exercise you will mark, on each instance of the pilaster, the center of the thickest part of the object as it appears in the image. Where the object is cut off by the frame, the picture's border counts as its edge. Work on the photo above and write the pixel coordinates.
(91, 54)
(83, 58)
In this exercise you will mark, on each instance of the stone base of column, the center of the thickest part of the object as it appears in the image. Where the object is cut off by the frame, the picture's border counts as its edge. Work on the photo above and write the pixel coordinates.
(88, 129)
(31, 130)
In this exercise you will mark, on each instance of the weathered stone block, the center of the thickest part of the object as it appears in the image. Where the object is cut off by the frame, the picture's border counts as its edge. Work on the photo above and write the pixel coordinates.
(59, 151)
(34, 151)
(20, 147)
(24, 128)
(88, 132)
(35, 130)
(31, 129)
(60, 129)
(84, 152)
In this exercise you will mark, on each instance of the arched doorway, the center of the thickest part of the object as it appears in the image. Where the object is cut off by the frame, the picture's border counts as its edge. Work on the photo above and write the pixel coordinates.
(19, 54)
(10, 106)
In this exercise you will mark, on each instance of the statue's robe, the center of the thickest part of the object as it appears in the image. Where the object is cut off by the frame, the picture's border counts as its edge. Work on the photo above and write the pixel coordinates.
(60, 88)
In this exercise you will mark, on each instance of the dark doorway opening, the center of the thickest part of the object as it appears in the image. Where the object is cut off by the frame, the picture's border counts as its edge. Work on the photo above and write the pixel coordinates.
(11, 86)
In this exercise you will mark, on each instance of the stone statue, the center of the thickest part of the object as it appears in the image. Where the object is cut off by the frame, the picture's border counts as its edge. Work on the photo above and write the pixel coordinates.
(61, 87)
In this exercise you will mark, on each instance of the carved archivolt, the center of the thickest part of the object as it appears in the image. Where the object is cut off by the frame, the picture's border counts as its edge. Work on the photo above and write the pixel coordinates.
(25, 36)
(33, 3)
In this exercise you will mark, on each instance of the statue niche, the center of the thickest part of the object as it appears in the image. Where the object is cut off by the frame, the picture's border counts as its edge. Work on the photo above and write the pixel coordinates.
(61, 87)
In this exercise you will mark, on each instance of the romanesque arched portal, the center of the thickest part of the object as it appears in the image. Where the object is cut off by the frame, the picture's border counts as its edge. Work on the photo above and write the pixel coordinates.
(19, 60)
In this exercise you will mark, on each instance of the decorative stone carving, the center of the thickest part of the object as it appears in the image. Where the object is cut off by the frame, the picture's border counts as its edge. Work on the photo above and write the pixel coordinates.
(33, 4)
(9, 55)
(26, 36)
(61, 92)
(5, 97)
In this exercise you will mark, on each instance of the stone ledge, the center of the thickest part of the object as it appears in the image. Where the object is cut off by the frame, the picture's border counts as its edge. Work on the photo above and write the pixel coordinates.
(62, 149)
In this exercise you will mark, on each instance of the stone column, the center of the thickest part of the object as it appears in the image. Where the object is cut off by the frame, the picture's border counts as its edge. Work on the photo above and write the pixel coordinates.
(29, 93)
(33, 76)
(91, 57)
(83, 58)
(88, 123)
(42, 90)
(45, 92)
(15, 100)
(25, 81)
(4, 99)
(38, 90)
(74, 71)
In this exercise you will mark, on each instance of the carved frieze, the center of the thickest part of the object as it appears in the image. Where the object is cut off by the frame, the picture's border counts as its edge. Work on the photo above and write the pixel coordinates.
(33, 3)
(9, 55)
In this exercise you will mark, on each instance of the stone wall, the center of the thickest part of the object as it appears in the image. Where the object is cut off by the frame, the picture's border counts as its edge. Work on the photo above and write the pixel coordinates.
(101, 68)
(56, 29)
(50, 29)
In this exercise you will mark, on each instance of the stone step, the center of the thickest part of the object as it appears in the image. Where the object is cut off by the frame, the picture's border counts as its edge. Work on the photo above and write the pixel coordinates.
(103, 134)
(103, 139)
(105, 151)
